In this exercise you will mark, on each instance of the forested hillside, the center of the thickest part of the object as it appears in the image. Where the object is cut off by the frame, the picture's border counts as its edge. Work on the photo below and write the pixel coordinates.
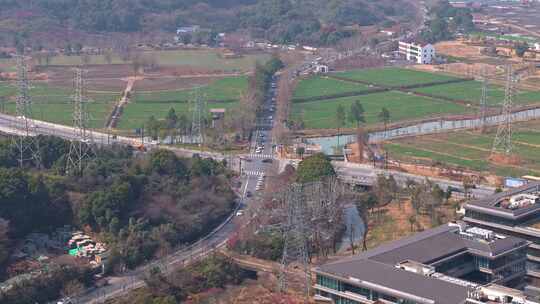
(281, 21)
(141, 206)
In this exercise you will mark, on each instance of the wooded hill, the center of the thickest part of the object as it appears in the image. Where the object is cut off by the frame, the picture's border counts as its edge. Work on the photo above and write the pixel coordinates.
(281, 21)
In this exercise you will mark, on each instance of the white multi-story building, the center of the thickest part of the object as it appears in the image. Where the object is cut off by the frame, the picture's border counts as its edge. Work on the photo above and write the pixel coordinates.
(537, 46)
(420, 53)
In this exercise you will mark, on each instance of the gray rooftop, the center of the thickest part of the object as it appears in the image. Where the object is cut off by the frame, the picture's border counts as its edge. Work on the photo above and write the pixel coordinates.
(489, 205)
(377, 266)
(366, 272)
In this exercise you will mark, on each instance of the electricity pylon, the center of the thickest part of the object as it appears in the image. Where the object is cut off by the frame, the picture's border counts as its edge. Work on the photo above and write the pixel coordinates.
(81, 147)
(295, 237)
(503, 139)
(27, 143)
(308, 211)
(198, 110)
(483, 101)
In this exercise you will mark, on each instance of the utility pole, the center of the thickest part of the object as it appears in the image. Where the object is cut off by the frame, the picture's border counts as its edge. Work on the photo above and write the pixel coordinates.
(81, 148)
(503, 139)
(27, 143)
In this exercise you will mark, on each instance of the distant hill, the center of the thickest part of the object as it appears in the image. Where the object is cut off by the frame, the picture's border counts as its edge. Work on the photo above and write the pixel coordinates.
(283, 21)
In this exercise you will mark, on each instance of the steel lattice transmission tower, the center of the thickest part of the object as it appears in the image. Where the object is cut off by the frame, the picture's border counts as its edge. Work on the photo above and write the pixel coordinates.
(198, 109)
(503, 139)
(295, 236)
(27, 143)
(81, 148)
(309, 209)
(484, 101)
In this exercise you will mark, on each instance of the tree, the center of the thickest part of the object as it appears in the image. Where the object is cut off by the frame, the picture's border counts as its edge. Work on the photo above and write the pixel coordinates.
(86, 59)
(314, 168)
(171, 119)
(412, 221)
(107, 55)
(153, 127)
(357, 113)
(4, 241)
(468, 184)
(520, 48)
(384, 117)
(340, 121)
(300, 151)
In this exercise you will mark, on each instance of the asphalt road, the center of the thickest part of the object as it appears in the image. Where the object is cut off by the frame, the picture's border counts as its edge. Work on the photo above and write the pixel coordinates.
(254, 165)
(367, 175)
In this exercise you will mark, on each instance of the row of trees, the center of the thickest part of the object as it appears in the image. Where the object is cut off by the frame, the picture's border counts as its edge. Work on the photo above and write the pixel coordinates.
(356, 115)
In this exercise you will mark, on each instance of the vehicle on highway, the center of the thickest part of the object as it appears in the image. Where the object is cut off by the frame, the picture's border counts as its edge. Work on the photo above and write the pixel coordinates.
(249, 194)
(267, 160)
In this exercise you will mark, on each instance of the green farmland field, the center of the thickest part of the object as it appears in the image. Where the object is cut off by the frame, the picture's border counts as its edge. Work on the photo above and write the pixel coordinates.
(137, 114)
(402, 106)
(222, 93)
(394, 76)
(323, 86)
(229, 88)
(61, 112)
(471, 150)
(472, 90)
(54, 104)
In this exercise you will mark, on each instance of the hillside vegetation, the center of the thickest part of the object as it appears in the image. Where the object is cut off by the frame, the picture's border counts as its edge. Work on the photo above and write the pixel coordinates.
(281, 21)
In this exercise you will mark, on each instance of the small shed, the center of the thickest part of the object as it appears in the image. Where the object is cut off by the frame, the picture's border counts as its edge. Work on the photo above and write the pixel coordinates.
(217, 115)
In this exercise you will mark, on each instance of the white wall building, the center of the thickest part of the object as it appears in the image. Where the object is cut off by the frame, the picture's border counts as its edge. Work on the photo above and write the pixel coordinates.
(423, 54)
(537, 46)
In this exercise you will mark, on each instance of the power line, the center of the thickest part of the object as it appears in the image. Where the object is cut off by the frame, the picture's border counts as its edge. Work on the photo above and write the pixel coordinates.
(81, 147)
(27, 143)
(503, 139)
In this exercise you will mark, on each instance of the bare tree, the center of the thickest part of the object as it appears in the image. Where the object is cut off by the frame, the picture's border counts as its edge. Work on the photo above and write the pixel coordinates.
(107, 55)
(86, 59)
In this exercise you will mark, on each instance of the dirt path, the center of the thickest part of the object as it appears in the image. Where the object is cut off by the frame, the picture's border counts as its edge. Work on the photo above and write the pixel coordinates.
(118, 109)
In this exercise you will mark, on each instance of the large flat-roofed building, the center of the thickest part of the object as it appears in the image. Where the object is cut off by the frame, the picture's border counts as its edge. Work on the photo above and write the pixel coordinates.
(515, 213)
(451, 264)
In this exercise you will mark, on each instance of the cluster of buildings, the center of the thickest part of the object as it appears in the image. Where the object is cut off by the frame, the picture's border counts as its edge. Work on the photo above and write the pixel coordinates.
(83, 246)
(491, 256)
